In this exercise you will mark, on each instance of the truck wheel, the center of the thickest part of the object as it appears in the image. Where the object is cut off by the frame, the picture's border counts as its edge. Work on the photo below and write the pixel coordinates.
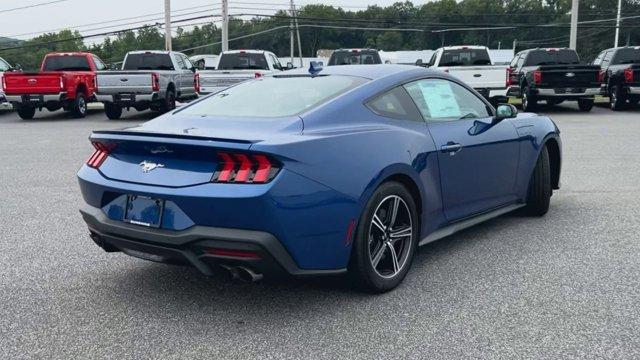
(26, 112)
(616, 99)
(540, 186)
(79, 107)
(169, 102)
(585, 105)
(113, 111)
(529, 102)
(633, 101)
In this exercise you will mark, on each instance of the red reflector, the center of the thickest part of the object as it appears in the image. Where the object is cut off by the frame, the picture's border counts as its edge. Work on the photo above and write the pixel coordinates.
(628, 75)
(245, 254)
(349, 235)
(227, 167)
(257, 75)
(601, 76)
(245, 168)
(263, 170)
(537, 77)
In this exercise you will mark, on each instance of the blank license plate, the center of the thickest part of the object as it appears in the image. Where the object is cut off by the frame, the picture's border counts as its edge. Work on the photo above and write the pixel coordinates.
(144, 211)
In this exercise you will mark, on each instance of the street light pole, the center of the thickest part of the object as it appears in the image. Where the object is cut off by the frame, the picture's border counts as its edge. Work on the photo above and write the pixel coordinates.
(167, 25)
(573, 35)
(618, 24)
(225, 25)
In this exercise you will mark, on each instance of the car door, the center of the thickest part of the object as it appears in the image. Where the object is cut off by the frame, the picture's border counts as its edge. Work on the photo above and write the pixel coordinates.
(478, 158)
(187, 87)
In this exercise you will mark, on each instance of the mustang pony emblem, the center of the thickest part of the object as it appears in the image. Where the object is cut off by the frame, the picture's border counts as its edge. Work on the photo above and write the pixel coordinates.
(149, 166)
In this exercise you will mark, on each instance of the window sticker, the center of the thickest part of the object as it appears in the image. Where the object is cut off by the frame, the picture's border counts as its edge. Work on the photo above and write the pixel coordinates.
(440, 99)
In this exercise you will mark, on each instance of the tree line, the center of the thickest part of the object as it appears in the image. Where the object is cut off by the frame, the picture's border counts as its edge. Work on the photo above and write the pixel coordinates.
(527, 24)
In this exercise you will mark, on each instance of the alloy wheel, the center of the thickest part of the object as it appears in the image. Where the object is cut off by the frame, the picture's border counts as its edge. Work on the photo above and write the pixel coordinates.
(390, 236)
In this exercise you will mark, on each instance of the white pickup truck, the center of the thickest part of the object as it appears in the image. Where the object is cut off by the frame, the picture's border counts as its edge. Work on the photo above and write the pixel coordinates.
(4, 66)
(237, 66)
(473, 65)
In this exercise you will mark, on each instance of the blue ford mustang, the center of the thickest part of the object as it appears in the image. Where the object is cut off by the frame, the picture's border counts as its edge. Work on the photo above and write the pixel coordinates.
(347, 169)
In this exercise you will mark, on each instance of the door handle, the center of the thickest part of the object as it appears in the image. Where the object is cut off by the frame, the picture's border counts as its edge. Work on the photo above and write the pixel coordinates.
(451, 148)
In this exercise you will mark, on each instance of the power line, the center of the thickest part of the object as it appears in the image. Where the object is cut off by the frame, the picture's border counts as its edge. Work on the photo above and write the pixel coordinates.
(32, 6)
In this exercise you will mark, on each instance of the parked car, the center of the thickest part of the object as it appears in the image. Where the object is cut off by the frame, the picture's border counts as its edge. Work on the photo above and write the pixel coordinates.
(553, 75)
(4, 66)
(473, 65)
(255, 179)
(355, 57)
(148, 80)
(205, 62)
(620, 69)
(236, 66)
(65, 80)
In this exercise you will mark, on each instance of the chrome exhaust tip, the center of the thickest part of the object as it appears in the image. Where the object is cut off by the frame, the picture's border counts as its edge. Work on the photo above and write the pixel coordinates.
(241, 273)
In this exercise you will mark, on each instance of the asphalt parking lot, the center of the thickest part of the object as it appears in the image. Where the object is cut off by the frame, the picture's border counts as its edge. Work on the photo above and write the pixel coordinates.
(562, 286)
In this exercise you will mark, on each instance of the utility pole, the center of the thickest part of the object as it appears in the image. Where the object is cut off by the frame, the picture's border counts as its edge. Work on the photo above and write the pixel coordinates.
(615, 44)
(225, 25)
(295, 20)
(167, 25)
(291, 46)
(573, 35)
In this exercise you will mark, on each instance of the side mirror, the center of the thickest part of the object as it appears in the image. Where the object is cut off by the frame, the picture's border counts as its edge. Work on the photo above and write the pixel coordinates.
(18, 67)
(505, 111)
(113, 67)
(419, 62)
(289, 65)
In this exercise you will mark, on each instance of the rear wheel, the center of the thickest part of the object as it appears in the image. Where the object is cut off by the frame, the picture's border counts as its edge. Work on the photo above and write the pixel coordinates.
(540, 191)
(26, 112)
(113, 111)
(616, 98)
(79, 107)
(585, 104)
(169, 102)
(386, 239)
(529, 102)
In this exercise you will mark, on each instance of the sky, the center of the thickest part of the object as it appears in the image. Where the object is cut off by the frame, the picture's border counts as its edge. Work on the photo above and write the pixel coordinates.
(23, 23)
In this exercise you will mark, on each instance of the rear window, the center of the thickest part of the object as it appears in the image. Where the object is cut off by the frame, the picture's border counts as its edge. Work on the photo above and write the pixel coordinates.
(465, 57)
(355, 57)
(627, 56)
(66, 63)
(552, 57)
(243, 61)
(274, 96)
(148, 61)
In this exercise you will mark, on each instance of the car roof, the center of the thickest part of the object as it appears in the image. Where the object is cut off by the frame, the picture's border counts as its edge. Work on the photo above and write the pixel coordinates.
(248, 51)
(69, 53)
(465, 47)
(366, 71)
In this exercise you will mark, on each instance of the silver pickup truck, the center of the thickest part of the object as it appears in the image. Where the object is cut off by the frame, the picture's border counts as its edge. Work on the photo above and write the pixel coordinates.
(148, 80)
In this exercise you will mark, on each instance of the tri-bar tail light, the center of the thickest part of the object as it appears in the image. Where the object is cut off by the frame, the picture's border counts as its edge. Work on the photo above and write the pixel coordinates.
(245, 168)
(101, 154)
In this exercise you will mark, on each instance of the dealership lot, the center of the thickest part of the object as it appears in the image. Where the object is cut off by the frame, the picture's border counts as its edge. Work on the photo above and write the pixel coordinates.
(563, 286)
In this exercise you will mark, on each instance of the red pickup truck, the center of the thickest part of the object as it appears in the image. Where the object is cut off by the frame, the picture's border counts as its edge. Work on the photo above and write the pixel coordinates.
(65, 80)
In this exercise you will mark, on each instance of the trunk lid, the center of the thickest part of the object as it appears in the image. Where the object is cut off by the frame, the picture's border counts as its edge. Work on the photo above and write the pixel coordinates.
(33, 83)
(183, 151)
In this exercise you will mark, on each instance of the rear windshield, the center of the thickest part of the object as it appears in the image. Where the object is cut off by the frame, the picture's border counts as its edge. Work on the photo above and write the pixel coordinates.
(66, 63)
(243, 61)
(355, 57)
(627, 56)
(551, 57)
(274, 96)
(148, 62)
(465, 57)
(4, 66)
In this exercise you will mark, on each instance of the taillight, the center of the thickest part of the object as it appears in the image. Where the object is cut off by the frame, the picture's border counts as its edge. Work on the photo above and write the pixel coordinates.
(257, 75)
(155, 82)
(628, 75)
(4, 83)
(509, 71)
(196, 82)
(100, 155)
(601, 76)
(537, 77)
(244, 168)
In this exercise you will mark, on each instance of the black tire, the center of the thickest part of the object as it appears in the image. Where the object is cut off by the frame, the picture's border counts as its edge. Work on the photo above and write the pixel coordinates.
(26, 112)
(79, 106)
(616, 98)
(113, 111)
(585, 105)
(529, 102)
(633, 101)
(169, 102)
(540, 190)
(391, 265)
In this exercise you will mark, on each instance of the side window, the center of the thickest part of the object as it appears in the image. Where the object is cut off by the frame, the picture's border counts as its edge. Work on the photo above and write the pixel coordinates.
(607, 58)
(394, 104)
(521, 60)
(598, 59)
(187, 62)
(444, 100)
(433, 59)
(514, 61)
(276, 62)
(99, 64)
(180, 61)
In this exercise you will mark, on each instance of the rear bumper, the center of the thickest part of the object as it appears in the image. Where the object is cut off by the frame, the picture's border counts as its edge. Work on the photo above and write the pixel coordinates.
(190, 246)
(36, 98)
(633, 90)
(564, 94)
(134, 98)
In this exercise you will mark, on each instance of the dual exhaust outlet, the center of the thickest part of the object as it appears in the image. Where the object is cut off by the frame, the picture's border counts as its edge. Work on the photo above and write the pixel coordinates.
(242, 274)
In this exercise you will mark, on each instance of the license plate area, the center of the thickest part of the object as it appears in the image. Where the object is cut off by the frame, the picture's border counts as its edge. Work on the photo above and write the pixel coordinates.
(33, 98)
(127, 97)
(144, 211)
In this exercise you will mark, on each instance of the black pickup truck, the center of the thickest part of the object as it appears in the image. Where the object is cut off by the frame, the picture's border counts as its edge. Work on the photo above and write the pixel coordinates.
(552, 75)
(620, 69)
